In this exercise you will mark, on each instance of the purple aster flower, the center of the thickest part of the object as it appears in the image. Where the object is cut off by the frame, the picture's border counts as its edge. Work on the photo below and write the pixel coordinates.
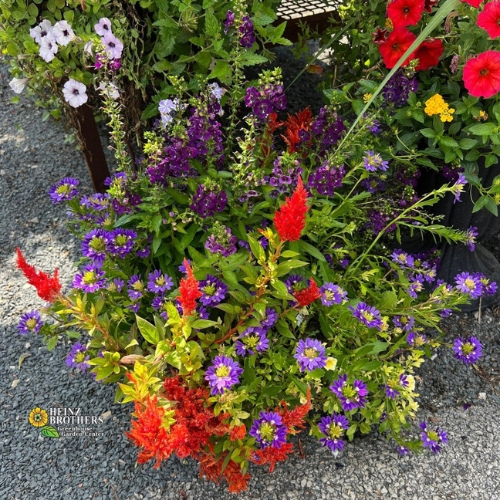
(416, 339)
(435, 439)
(403, 381)
(134, 307)
(458, 187)
(368, 315)
(333, 428)
(136, 287)
(223, 374)
(269, 430)
(488, 288)
(159, 282)
(445, 313)
(390, 392)
(77, 358)
(213, 289)
(310, 354)
(469, 284)
(351, 396)
(90, 279)
(64, 190)
(94, 245)
(471, 238)
(406, 323)
(402, 450)
(416, 285)
(118, 284)
(203, 312)
(121, 242)
(143, 253)
(403, 259)
(30, 323)
(270, 320)
(468, 350)
(294, 283)
(252, 339)
(332, 294)
(103, 26)
(96, 201)
(112, 45)
(373, 161)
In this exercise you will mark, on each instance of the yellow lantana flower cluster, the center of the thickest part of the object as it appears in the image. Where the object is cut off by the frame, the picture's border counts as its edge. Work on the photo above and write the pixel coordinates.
(436, 105)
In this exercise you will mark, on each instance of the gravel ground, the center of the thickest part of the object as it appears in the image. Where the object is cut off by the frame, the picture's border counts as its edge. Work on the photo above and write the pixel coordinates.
(33, 155)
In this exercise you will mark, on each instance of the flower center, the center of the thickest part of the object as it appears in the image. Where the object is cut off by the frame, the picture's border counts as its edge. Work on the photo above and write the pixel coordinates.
(121, 240)
(310, 353)
(209, 290)
(97, 243)
(80, 357)
(335, 431)
(37, 417)
(267, 431)
(138, 285)
(432, 435)
(251, 341)
(484, 72)
(31, 323)
(76, 92)
(349, 392)
(160, 281)
(89, 277)
(467, 348)
(368, 316)
(222, 371)
(63, 189)
(470, 283)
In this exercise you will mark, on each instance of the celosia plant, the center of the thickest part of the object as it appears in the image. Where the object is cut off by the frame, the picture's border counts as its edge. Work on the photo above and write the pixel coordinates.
(248, 278)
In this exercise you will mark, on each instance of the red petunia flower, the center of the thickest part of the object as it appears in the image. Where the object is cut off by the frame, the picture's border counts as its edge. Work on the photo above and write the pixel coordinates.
(380, 36)
(47, 287)
(397, 43)
(489, 19)
(429, 4)
(473, 3)
(189, 291)
(405, 12)
(428, 53)
(290, 219)
(482, 74)
(308, 295)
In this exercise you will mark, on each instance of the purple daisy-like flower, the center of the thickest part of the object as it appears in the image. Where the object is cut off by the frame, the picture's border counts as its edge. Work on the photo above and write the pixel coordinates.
(159, 282)
(402, 450)
(94, 245)
(390, 392)
(118, 284)
(333, 428)
(121, 242)
(416, 339)
(373, 161)
(90, 279)
(294, 282)
(403, 381)
(458, 187)
(406, 323)
(468, 350)
(135, 287)
(332, 294)
(213, 289)
(351, 396)
(469, 284)
(30, 322)
(368, 315)
(252, 339)
(471, 238)
(96, 201)
(270, 320)
(143, 253)
(488, 287)
(435, 439)
(310, 354)
(223, 374)
(416, 285)
(269, 430)
(77, 358)
(402, 258)
(64, 190)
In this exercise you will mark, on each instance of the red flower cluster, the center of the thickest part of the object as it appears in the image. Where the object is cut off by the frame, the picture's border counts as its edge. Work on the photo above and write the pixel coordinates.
(47, 287)
(189, 291)
(482, 74)
(308, 295)
(489, 19)
(301, 122)
(211, 468)
(290, 219)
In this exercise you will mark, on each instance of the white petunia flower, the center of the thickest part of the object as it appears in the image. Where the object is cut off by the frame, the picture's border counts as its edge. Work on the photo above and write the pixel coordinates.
(18, 84)
(88, 47)
(75, 93)
(103, 26)
(48, 48)
(111, 90)
(63, 33)
(38, 33)
(112, 45)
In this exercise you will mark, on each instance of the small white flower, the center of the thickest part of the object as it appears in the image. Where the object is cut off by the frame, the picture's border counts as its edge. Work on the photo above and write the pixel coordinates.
(88, 47)
(41, 31)
(18, 84)
(48, 48)
(63, 33)
(112, 45)
(103, 26)
(111, 90)
(216, 90)
(75, 93)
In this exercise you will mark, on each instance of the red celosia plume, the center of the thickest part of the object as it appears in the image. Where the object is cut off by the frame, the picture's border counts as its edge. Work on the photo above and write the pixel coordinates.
(189, 291)
(308, 295)
(290, 219)
(300, 122)
(47, 287)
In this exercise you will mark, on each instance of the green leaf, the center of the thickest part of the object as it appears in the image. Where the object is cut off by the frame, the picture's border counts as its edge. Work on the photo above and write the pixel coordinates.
(49, 431)
(466, 143)
(428, 132)
(148, 331)
(483, 129)
(203, 323)
(252, 59)
(222, 71)
(51, 343)
(281, 291)
(257, 249)
(211, 24)
(311, 250)
(287, 266)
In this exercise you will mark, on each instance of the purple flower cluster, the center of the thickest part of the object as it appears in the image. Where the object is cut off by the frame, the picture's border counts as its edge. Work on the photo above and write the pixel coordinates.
(94, 245)
(468, 351)
(222, 241)
(406, 323)
(270, 320)
(368, 315)
(247, 35)
(230, 17)
(333, 428)
(434, 440)
(64, 190)
(269, 430)
(90, 279)
(96, 201)
(332, 294)
(207, 202)
(328, 128)
(326, 179)
(351, 396)
(476, 284)
(265, 100)
(398, 88)
(283, 178)
(251, 340)
(223, 374)
(77, 358)
(30, 323)
(213, 289)
(121, 242)
(310, 354)
(373, 161)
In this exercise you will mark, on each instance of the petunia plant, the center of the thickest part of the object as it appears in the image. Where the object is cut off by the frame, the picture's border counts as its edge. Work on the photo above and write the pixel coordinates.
(246, 278)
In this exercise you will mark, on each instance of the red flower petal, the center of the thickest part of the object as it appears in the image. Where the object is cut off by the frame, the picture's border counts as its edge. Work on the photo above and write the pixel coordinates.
(482, 74)
(428, 53)
(489, 19)
(473, 3)
(397, 43)
(405, 12)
